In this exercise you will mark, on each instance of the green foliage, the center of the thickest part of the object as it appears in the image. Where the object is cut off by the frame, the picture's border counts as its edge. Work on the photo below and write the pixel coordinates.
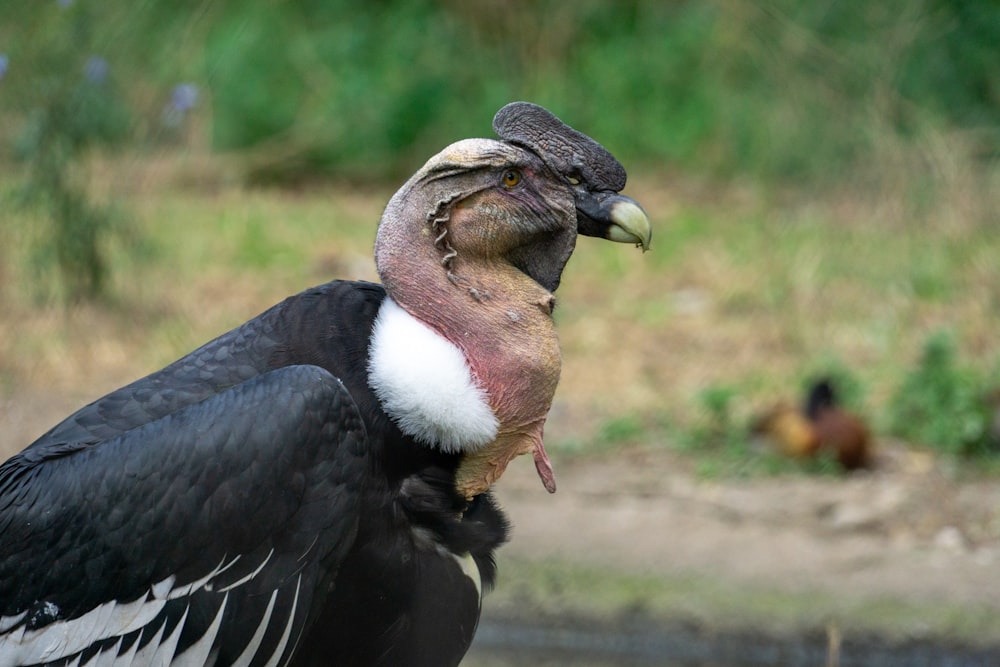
(71, 105)
(256, 84)
(716, 403)
(612, 434)
(621, 430)
(942, 403)
(718, 441)
(783, 89)
(954, 68)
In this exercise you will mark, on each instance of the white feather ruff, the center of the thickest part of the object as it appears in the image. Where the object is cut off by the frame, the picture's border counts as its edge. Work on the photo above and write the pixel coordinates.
(425, 385)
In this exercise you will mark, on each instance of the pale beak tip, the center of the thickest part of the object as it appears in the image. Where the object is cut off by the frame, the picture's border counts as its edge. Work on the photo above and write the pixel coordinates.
(631, 224)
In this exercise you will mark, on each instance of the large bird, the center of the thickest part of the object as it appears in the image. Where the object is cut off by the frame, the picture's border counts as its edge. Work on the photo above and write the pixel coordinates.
(312, 488)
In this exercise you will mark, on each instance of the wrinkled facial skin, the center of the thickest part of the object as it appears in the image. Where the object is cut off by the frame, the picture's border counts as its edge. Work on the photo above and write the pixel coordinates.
(529, 221)
(494, 201)
(474, 245)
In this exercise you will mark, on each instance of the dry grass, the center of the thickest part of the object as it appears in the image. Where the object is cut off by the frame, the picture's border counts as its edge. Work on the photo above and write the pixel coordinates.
(744, 286)
(745, 291)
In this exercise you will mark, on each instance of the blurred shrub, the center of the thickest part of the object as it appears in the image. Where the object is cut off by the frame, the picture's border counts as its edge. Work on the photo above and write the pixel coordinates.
(319, 87)
(781, 89)
(620, 430)
(943, 404)
(70, 104)
(716, 430)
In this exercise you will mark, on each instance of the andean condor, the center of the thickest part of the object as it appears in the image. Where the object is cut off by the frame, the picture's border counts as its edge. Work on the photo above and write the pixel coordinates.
(312, 488)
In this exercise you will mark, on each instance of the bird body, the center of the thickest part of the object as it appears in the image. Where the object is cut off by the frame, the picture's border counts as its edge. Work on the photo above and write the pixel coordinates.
(791, 431)
(312, 488)
(838, 431)
(820, 426)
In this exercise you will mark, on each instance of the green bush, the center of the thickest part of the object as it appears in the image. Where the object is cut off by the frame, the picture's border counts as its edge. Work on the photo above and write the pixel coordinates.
(789, 90)
(941, 403)
(716, 431)
(70, 102)
(781, 89)
(621, 430)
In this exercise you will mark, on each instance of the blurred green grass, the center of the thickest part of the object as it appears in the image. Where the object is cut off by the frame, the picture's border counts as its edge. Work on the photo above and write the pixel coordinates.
(822, 177)
(739, 291)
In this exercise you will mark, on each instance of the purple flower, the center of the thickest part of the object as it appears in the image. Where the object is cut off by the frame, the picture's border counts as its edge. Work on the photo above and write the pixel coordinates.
(184, 97)
(96, 69)
(64, 3)
(4, 63)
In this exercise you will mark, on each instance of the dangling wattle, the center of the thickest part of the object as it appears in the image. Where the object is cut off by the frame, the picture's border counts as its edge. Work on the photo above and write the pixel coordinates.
(498, 316)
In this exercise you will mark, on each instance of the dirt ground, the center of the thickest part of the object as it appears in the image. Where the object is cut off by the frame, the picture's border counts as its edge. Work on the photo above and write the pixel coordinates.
(910, 530)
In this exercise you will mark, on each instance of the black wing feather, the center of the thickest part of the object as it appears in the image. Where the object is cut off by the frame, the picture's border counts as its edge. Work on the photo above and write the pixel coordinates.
(262, 475)
(326, 326)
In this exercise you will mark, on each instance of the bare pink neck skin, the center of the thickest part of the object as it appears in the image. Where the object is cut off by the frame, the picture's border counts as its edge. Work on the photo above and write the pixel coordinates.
(501, 320)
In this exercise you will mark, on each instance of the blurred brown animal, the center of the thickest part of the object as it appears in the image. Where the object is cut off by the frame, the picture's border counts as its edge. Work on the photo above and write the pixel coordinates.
(789, 430)
(820, 426)
(838, 431)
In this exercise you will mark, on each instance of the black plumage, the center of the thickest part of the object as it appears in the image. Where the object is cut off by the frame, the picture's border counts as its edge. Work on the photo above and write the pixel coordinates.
(220, 487)
(254, 503)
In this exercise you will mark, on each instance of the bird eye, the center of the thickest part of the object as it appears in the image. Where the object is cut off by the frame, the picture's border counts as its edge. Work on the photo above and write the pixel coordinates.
(511, 177)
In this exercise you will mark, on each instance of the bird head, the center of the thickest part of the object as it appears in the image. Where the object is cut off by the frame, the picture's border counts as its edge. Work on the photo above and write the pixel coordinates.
(522, 199)
(474, 244)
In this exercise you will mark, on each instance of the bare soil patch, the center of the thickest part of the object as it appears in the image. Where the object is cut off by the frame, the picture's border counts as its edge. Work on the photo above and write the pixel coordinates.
(910, 532)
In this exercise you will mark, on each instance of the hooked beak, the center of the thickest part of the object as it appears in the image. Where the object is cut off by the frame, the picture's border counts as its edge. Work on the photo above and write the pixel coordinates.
(611, 216)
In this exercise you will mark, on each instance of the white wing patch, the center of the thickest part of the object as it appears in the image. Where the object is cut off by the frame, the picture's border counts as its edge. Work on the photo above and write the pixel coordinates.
(7, 622)
(425, 384)
(164, 652)
(62, 639)
(197, 653)
(427, 540)
(247, 578)
(280, 650)
(250, 652)
(107, 657)
(65, 638)
(471, 570)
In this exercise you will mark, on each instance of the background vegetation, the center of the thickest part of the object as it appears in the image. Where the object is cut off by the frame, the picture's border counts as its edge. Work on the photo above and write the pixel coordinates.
(822, 175)
(778, 89)
(822, 178)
